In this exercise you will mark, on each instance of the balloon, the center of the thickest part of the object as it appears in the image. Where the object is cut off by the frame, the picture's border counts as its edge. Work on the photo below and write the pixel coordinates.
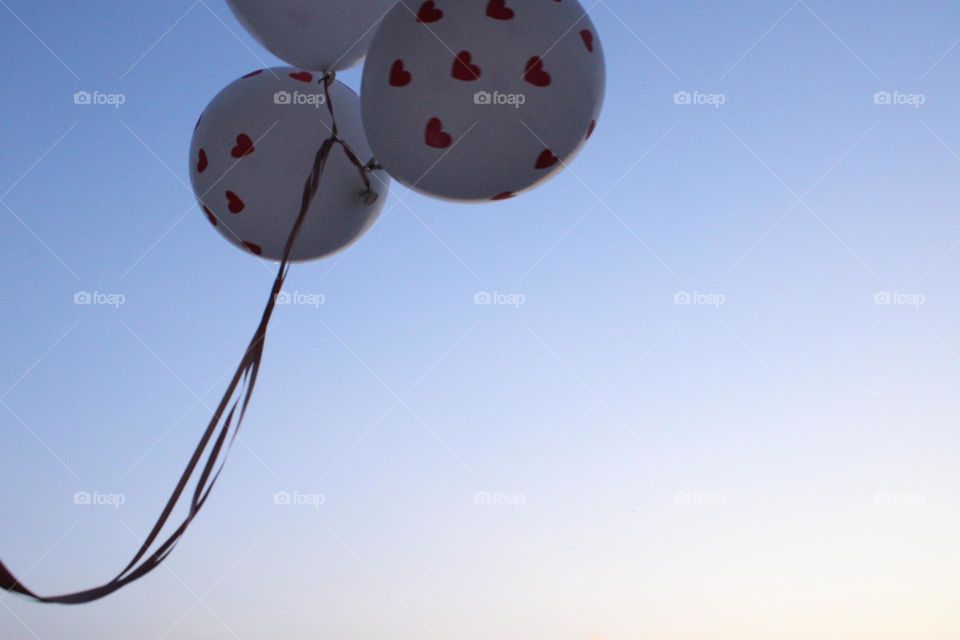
(479, 100)
(320, 35)
(253, 150)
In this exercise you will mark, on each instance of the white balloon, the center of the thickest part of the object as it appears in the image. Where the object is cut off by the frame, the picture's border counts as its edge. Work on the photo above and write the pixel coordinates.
(481, 99)
(253, 150)
(321, 35)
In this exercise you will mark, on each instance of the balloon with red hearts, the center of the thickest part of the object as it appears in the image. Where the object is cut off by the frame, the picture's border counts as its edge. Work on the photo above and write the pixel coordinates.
(253, 149)
(479, 100)
(319, 35)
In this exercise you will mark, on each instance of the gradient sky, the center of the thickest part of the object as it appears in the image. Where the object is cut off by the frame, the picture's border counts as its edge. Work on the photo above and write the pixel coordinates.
(780, 463)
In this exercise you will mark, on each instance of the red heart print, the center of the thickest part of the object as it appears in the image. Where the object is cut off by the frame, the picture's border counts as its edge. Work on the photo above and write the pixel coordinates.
(535, 74)
(463, 69)
(302, 76)
(429, 12)
(244, 146)
(436, 137)
(547, 159)
(255, 249)
(212, 218)
(498, 10)
(587, 36)
(235, 204)
(202, 163)
(399, 77)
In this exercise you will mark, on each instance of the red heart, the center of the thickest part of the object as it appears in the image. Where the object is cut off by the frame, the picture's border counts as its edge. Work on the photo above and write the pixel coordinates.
(236, 205)
(463, 69)
(535, 74)
(547, 159)
(212, 218)
(436, 137)
(244, 146)
(587, 36)
(254, 248)
(428, 12)
(399, 77)
(593, 126)
(498, 10)
(506, 195)
(202, 163)
(302, 76)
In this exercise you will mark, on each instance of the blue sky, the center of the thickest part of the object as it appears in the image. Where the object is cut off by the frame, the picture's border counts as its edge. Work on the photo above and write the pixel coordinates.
(777, 457)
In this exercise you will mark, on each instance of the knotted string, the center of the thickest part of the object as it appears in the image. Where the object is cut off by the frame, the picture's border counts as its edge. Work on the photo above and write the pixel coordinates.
(228, 416)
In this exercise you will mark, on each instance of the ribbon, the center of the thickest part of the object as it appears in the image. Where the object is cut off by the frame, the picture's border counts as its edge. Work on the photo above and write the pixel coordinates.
(227, 419)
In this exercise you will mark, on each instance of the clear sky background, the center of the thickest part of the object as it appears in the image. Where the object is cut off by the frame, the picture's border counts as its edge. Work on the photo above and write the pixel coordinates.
(779, 463)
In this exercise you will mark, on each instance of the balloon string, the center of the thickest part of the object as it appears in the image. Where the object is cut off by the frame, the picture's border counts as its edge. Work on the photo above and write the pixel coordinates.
(229, 416)
(368, 194)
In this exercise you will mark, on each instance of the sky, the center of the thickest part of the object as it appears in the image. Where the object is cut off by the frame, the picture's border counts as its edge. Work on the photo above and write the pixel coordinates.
(715, 396)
